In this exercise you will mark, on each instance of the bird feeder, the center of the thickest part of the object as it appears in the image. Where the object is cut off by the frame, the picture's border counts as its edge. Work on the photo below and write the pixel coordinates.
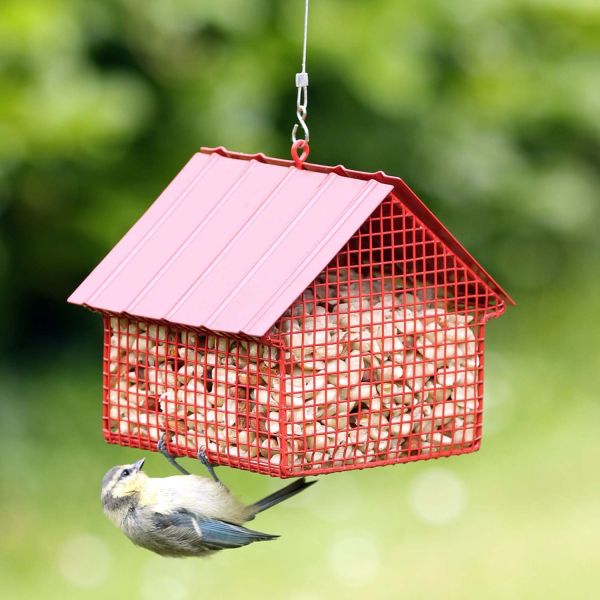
(292, 321)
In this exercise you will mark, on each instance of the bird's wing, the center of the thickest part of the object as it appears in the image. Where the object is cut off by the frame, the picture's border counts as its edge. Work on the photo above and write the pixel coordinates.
(211, 533)
(219, 534)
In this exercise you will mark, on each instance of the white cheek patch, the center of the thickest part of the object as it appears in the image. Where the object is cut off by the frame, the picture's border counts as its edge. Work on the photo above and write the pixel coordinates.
(124, 488)
(112, 486)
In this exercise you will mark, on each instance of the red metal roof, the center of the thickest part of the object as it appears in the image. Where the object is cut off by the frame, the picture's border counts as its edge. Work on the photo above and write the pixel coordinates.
(230, 244)
(235, 238)
(403, 193)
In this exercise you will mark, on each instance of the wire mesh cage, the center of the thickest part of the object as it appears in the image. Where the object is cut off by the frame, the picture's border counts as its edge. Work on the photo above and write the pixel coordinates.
(379, 361)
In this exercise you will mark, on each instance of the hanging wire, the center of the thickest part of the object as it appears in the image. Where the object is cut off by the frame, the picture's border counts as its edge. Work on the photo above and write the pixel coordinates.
(301, 103)
(305, 36)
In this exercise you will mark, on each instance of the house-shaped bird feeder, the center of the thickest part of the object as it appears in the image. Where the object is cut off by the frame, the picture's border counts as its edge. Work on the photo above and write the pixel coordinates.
(292, 321)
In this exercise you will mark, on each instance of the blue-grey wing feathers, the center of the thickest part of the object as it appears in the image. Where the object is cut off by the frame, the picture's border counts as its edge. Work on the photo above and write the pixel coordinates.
(202, 532)
(219, 534)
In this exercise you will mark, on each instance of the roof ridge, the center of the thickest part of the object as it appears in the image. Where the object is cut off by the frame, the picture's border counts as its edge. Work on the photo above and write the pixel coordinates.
(403, 192)
(224, 246)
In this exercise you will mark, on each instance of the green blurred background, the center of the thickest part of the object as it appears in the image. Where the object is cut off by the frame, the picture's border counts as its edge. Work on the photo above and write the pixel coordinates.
(489, 109)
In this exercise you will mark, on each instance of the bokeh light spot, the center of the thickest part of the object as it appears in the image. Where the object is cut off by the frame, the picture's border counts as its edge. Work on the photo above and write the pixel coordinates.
(438, 496)
(355, 558)
(84, 561)
(165, 578)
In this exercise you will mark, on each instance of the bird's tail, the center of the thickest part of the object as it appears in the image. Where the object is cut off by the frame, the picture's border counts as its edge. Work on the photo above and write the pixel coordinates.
(280, 495)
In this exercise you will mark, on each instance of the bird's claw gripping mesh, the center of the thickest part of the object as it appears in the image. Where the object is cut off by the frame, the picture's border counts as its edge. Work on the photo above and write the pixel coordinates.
(380, 361)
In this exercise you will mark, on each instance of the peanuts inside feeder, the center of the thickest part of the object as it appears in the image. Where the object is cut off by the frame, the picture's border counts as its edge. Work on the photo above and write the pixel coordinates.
(292, 321)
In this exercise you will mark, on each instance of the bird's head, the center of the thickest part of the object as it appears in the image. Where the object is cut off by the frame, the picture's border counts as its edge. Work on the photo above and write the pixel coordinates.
(121, 486)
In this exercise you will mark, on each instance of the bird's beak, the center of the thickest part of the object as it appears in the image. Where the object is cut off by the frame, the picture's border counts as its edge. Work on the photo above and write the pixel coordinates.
(138, 464)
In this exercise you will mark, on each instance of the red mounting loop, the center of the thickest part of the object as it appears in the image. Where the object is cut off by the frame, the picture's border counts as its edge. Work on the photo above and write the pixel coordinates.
(303, 146)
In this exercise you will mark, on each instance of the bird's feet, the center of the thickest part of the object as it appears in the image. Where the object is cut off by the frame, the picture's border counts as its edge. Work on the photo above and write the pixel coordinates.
(203, 458)
(162, 448)
(162, 445)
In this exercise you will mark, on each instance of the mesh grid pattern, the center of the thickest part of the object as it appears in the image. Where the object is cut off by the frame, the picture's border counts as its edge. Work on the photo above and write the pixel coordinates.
(379, 361)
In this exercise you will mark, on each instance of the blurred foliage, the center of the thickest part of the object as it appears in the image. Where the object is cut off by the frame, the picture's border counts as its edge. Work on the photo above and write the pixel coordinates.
(487, 108)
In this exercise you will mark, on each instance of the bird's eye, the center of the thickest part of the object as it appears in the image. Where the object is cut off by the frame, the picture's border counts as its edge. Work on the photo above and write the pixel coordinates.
(125, 473)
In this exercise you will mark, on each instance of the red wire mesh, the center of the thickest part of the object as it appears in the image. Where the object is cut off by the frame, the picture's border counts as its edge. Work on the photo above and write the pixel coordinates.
(379, 361)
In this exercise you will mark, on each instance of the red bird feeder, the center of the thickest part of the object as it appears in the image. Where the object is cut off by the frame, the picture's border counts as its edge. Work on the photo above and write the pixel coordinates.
(292, 321)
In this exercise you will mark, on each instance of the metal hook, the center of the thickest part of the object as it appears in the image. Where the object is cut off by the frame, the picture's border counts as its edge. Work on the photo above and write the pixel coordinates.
(301, 106)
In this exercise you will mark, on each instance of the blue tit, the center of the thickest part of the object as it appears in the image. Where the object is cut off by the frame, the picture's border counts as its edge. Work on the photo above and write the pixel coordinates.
(183, 515)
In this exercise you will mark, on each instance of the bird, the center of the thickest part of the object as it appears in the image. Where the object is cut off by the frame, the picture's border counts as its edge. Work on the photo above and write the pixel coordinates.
(184, 515)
